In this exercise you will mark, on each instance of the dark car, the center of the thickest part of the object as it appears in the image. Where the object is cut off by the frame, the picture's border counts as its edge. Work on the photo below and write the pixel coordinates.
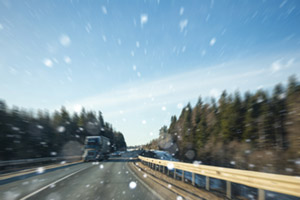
(158, 155)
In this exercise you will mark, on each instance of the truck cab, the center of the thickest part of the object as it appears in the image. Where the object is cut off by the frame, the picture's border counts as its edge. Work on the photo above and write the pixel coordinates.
(96, 148)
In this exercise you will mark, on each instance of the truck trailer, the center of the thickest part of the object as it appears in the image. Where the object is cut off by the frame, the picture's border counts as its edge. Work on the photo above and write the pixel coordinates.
(96, 148)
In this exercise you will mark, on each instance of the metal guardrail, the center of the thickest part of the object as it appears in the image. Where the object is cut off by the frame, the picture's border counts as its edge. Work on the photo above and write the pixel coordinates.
(283, 184)
(37, 160)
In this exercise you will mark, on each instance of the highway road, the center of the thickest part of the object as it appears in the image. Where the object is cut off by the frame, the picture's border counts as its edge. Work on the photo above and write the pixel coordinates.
(112, 179)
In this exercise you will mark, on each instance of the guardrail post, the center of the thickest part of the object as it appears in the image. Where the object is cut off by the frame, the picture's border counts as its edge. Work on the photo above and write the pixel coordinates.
(193, 179)
(261, 194)
(164, 169)
(207, 183)
(182, 178)
(174, 173)
(228, 189)
(168, 172)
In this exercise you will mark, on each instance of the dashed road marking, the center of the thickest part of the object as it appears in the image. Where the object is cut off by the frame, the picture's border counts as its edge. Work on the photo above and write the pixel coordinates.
(53, 183)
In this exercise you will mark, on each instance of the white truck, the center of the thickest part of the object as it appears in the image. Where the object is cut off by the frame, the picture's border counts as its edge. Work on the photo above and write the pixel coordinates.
(96, 148)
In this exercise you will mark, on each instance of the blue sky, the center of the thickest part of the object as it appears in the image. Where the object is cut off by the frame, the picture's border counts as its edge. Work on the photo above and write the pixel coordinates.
(140, 62)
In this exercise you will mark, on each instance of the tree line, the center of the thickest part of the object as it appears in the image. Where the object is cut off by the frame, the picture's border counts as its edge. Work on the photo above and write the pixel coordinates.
(25, 134)
(256, 131)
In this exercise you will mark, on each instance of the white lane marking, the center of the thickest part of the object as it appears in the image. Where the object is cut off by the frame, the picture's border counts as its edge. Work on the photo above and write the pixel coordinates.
(144, 184)
(45, 187)
(31, 170)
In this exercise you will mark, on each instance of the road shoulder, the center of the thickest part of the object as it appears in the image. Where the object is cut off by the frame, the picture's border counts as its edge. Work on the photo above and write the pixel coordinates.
(163, 191)
(171, 188)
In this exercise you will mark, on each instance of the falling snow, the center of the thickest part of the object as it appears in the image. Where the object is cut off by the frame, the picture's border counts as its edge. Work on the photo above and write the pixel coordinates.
(144, 19)
(61, 129)
(65, 40)
(57, 56)
(179, 198)
(39, 126)
(67, 60)
(104, 10)
(88, 27)
(212, 41)
(180, 106)
(132, 185)
(40, 170)
(104, 38)
(289, 169)
(181, 11)
(183, 24)
(132, 53)
(251, 165)
(247, 151)
(47, 62)
(119, 41)
(197, 163)
(170, 166)
(134, 68)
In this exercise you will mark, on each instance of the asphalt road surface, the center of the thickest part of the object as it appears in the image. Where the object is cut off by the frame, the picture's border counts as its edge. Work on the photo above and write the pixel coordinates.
(112, 180)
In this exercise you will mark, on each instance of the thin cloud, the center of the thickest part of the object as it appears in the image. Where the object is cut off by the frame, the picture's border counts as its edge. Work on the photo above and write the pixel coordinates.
(173, 89)
(182, 87)
(281, 64)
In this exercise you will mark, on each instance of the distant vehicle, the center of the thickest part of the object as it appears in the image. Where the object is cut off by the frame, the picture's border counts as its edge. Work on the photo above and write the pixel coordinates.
(163, 155)
(96, 148)
(116, 154)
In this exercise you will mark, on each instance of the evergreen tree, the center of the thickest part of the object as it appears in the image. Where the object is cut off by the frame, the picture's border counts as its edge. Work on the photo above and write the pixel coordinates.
(279, 111)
